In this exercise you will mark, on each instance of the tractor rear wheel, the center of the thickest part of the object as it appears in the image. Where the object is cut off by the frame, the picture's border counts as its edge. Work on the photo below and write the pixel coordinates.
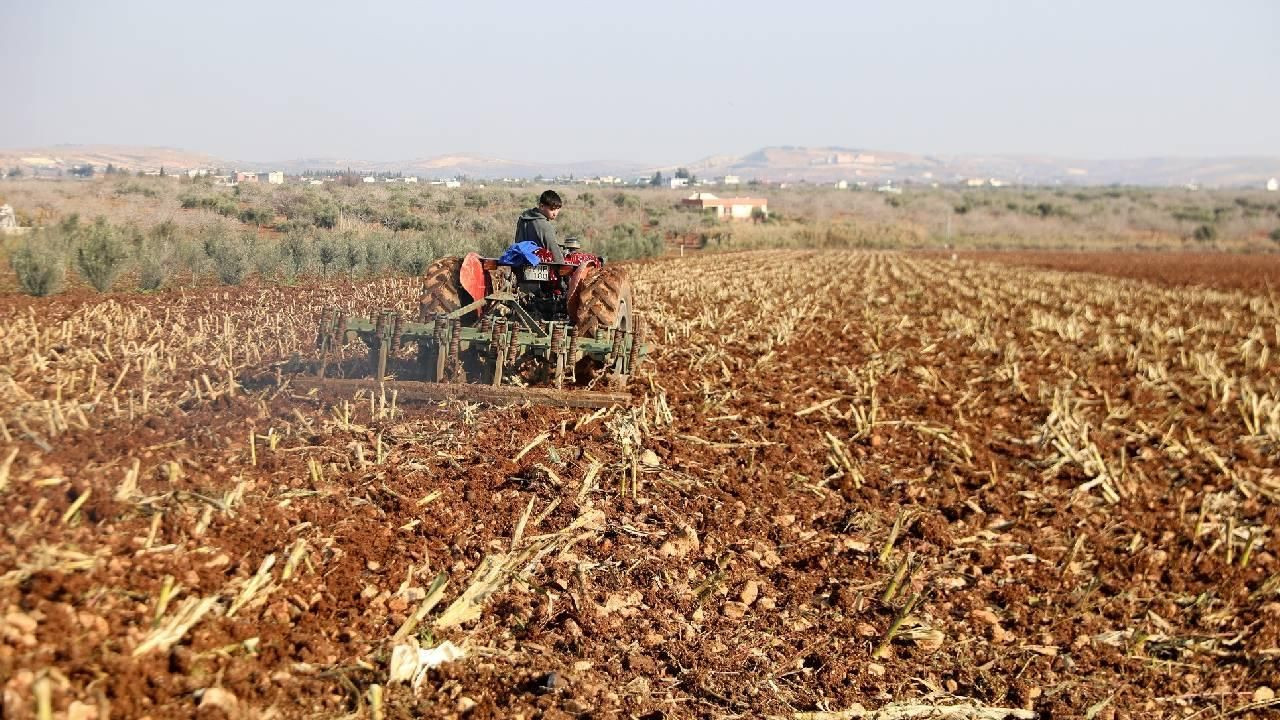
(604, 302)
(442, 292)
(603, 305)
(441, 288)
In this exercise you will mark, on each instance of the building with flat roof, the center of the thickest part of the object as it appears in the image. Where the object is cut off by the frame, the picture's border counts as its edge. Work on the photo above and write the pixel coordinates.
(736, 208)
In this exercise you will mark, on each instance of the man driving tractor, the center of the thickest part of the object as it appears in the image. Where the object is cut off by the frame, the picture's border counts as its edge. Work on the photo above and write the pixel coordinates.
(534, 224)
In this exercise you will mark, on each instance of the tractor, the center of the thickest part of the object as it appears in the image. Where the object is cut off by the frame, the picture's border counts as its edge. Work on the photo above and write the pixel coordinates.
(493, 329)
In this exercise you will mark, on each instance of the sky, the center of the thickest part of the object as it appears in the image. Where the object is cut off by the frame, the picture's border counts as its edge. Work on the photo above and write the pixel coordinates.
(655, 82)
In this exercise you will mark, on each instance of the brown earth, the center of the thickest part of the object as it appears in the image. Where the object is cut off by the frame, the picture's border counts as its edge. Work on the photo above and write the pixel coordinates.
(1256, 272)
(847, 480)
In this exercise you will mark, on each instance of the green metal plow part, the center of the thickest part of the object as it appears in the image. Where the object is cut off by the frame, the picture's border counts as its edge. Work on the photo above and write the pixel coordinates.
(443, 341)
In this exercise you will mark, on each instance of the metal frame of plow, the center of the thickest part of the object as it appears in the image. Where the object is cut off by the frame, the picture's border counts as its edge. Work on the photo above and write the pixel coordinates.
(443, 341)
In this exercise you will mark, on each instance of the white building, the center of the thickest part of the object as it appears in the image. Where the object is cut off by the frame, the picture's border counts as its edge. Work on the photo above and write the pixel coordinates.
(731, 180)
(679, 183)
(842, 184)
(369, 179)
(411, 178)
(275, 177)
(1273, 184)
(737, 208)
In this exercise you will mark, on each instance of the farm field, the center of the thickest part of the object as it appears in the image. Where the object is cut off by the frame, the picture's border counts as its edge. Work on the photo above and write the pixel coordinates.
(1258, 272)
(851, 484)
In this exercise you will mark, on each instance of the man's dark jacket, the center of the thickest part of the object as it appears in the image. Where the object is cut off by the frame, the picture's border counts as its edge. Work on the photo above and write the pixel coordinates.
(533, 226)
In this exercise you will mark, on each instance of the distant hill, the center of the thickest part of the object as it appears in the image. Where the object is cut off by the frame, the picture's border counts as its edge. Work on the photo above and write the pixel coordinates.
(460, 164)
(830, 164)
(125, 157)
(771, 164)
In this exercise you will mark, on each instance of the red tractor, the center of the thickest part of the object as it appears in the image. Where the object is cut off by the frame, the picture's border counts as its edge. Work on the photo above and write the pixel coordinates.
(582, 291)
(486, 319)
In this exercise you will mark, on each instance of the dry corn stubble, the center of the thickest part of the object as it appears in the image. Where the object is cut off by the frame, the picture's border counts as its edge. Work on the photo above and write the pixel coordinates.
(1021, 489)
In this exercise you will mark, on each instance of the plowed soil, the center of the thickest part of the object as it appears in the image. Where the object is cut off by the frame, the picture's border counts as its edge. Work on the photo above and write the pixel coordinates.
(849, 485)
(1255, 272)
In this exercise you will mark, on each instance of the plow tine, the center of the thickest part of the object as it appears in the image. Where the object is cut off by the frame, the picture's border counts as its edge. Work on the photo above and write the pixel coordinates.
(438, 330)
(499, 346)
(455, 345)
(637, 341)
(615, 349)
(513, 347)
(396, 325)
(324, 340)
(386, 339)
(558, 349)
(575, 351)
(378, 347)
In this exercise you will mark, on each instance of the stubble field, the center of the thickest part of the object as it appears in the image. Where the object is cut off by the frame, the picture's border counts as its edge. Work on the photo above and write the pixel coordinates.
(851, 484)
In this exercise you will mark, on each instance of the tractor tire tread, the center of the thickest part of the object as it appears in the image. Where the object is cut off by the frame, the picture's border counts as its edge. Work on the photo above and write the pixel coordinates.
(600, 299)
(442, 290)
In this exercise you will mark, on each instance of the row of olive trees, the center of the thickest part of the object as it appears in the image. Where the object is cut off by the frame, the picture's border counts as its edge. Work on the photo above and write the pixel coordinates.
(95, 249)
(165, 255)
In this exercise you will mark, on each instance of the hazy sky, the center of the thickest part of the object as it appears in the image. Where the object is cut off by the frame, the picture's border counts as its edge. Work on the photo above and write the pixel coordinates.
(646, 81)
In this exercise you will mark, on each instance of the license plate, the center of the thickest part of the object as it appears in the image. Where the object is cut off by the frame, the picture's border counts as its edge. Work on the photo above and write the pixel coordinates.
(540, 272)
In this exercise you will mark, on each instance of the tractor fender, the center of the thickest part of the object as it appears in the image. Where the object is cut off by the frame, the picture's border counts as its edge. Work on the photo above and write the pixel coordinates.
(471, 277)
(584, 271)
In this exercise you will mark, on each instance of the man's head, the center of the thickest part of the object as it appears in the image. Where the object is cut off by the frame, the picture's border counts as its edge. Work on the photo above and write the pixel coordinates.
(549, 203)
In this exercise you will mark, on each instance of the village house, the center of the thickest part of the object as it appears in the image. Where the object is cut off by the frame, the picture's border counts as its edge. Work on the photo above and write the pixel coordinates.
(1273, 185)
(737, 208)
(275, 177)
(244, 177)
(731, 180)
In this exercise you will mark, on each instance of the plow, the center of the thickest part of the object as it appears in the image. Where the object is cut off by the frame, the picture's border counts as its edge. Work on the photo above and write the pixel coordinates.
(509, 330)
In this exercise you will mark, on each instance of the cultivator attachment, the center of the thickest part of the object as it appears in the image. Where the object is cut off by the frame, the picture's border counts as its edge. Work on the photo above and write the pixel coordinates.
(471, 362)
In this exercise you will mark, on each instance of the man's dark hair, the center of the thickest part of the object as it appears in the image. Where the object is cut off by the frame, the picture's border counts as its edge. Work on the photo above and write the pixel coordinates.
(551, 199)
